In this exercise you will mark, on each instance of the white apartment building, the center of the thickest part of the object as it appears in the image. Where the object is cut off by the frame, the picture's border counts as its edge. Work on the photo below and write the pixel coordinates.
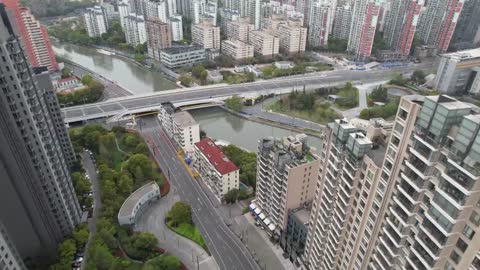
(459, 73)
(236, 49)
(264, 43)
(254, 12)
(9, 257)
(156, 9)
(287, 172)
(342, 22)
(205, 34)
(176, 26)
(352, 155)
(95, 21)
(109, 10)
(219, 173)
(123, 11)
(135, 31)
(319, 24)
(292, 36)
(211, 10)
(197, 9)
(239, 29)
(180, 126)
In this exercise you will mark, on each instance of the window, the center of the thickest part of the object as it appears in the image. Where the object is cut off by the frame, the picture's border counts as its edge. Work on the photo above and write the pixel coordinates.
(468, 232)
(461, 245)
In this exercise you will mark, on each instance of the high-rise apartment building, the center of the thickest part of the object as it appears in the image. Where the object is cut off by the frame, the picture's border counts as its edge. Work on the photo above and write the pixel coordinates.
(401, 24)
(34, 36)
(239, 29)
(264, 43)
(467, 32)
(159, 37)
(438, 22)
(156, 10)
(205, 34)
(197, 9)
(342, 22)
(287, 172)
(254, 8)
(431, 210)
(363, 27)
(211, 10)
(35, 155)
(176, 27)
(9, 257)
(292, 36)
(95, 21)
(319, 24)
(123, 11)
(135, 30)
(236, 49)
(343, 210)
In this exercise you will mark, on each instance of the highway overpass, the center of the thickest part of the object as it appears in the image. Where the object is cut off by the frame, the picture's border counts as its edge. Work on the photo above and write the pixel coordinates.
(151, 101)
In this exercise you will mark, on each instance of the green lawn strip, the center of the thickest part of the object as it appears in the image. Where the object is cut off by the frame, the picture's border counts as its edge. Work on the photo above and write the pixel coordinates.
(305, 115)
(189, 231)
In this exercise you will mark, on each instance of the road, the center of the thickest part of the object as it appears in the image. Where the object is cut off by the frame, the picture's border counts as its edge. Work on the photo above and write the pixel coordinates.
(119, 105)
(225, 247)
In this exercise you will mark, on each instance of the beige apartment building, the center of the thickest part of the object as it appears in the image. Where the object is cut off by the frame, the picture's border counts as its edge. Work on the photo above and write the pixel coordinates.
(236, 49)
(159, 37)
(239, 29)
(287, 171)
(206, 34)
(264, 43)
(410, 203)
(292, 36)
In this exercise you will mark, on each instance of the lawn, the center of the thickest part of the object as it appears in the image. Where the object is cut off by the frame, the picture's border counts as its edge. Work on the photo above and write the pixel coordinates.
(321, 113)
(189, 231)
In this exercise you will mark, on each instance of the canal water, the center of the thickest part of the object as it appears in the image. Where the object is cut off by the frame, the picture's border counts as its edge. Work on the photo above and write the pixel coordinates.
(222, 125)
(126, 73)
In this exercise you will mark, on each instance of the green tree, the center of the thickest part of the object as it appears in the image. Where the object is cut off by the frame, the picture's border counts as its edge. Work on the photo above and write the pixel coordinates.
(418, 77)
(250, 77)
(231, 196)
(235, 103)
(224, 61)
(163, 262)
(66, 250)
(142, 148)
(140, 57)
(139, 175)
(139, 161)
(185, 80)
(66, 72)
(145, 243)
(399, 80)
(203, 77)
(81, 236)
(197, 71)
(81, 184)
(87, 79)
(379, 94)
(181, 213)
(125, 184)
(102, 257)
(130, 140)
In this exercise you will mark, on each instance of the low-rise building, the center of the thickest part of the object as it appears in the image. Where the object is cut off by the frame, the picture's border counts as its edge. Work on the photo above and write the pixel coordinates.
(237, 49)
(458, 72)
(206, 34)
(283, 64)
(68, 85)
(177, 57)
(264, 43)
(180, 126)
(219, 173)
(136, 203)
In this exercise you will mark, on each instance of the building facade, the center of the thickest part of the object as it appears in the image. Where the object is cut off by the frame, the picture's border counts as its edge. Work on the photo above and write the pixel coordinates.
(159, 37)
(294, 236)
(137, 202)
(292, 36)
(239, 29)
(286, 175)
(35, 37)
(363, 27)
(438, 22)
(264, 44)
(458, 73)
(180, 56)
(35, 157)
(180, 126)
(467, 32)
(236, 49)
(219, 173)
(342, 22)
(176, 27)
(9, 257)
(123, 11)
(135, 30)
(205, 34)
(319, 24)
(155, 9)
(401, 24)
(95, 21)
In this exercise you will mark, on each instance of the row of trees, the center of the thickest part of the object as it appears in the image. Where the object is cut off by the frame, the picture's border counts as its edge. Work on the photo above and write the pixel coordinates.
(246, 161)
(418, 78)
(92, 93)
(272, 71)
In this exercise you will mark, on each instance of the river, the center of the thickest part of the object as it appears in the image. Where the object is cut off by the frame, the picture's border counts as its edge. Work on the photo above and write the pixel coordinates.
(221, 125)
(126, 73)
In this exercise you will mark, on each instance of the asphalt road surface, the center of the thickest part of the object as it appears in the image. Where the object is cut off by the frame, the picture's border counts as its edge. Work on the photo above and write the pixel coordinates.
(225, 247)
(116, 106)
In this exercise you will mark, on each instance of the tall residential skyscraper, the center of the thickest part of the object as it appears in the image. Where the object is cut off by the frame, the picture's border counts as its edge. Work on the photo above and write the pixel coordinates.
(344, 208)
(254, 8)
(467, 32)
(156, 10)
(135, 31)
(401, 24)
(342, 22)
(319, 25)
(35, 155)
(363, 27)
(431, 199)
(286, 175)
(159, 37)
(95, 21)
(292, 36)
(176, 27)
(438, 22)
(35, 36)
(9, 257)
(123, 11)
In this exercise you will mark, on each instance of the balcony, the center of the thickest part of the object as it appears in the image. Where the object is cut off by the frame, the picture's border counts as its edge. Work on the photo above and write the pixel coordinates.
(423, 255)
(454, 172)
(428, 244)
(415, 263)
(436, 234)
(401, 215)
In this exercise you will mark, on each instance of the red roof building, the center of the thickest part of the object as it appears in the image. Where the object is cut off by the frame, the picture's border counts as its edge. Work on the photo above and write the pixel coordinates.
(216, 157)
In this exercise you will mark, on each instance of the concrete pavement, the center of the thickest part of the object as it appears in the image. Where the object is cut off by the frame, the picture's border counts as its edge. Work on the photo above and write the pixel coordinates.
(226, 248)
(363, 91)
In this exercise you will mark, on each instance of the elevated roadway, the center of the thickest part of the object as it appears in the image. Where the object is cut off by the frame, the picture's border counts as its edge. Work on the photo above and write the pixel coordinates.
(147, 102)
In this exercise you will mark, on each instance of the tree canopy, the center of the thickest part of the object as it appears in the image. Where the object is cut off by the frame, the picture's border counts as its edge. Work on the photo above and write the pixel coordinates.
(235, 103)
(181, 213)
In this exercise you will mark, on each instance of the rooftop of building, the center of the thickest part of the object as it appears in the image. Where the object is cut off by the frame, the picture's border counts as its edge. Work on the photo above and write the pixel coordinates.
(129, 205)
(463, 55)
(235, 42)
(302, 214)
(182, 49)
(69, 79)
(184, 119)
(377, 154)
(215, 156)
(263, 33)
(292, 149)
(449, 102)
